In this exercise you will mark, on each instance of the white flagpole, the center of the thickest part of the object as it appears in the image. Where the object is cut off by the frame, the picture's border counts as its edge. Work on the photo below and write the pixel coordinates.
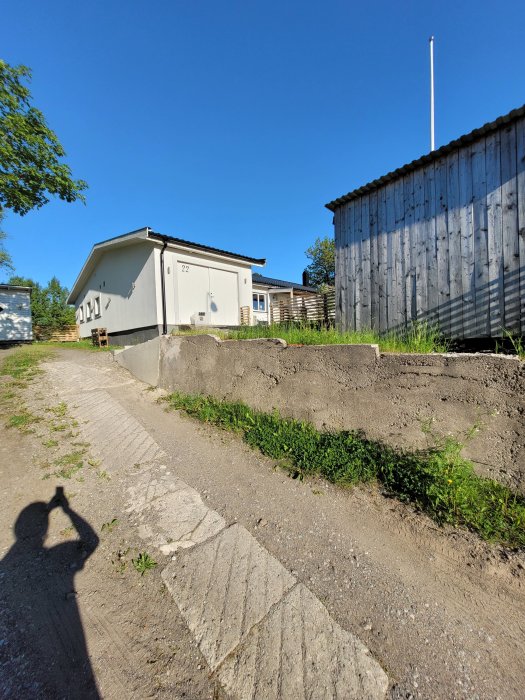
(432, 142)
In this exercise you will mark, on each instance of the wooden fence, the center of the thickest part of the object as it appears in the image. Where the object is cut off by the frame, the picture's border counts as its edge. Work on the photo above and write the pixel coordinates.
(318, 309)
(62, 335)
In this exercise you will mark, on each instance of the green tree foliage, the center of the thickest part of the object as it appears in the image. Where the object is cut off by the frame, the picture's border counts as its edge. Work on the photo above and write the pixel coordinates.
(5, 258)
(30, 152)
(49, 308)
(321, 270)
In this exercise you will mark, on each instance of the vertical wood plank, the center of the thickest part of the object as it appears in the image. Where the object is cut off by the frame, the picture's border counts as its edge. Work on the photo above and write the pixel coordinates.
(351, 265)
(340, 272)
(390, 243)
(431, 308)
(374, 264)
(520, 158)
(358, 257)
(441, 195)
(454, 246)
(468, 310)
(480, 227)
(382, 258)
(365, 270)
(419, 243)
(408, 249)
(509, 215)
(495, 233)
(399, 319)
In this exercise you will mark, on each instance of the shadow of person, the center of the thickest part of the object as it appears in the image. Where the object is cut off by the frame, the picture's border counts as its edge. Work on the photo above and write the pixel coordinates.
(44, 649)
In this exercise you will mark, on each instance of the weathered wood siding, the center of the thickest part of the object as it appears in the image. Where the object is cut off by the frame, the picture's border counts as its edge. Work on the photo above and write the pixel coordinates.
(444, 243)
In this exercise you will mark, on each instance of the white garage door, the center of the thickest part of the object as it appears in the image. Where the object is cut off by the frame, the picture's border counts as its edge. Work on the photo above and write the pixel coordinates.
(206, 289)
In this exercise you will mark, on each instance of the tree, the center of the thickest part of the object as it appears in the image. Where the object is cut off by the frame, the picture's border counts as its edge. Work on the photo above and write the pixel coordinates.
(5, 258)
(30, 152)
(321, 270)
(49, 308)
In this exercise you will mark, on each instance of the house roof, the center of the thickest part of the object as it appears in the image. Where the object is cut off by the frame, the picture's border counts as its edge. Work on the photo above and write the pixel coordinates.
(465, 140)
(147, 234)
(206, 248)
(271, 282)
(15, 287)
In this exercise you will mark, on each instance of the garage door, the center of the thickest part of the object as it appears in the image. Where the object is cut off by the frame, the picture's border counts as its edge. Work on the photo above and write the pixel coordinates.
(209, 290)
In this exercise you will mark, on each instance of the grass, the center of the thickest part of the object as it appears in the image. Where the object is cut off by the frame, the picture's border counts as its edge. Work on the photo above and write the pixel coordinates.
(438, 480)
(85, 344)
(23, 364)
(143, 563)
(418, 338)
(23, 420)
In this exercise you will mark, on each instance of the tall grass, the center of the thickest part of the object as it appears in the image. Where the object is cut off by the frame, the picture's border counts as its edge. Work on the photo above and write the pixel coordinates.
(438, 480)
(418, 338)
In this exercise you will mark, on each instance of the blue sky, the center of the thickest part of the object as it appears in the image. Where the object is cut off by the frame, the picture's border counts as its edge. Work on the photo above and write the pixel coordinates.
(232, 123)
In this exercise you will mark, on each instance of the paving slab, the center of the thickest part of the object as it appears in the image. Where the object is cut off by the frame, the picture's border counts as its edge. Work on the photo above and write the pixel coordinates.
(224, 587)
(170, 514)
(298, 651)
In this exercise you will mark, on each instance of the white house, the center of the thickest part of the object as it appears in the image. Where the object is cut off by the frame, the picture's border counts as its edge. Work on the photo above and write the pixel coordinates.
(143, 284)
(15, 314)
(270, 296)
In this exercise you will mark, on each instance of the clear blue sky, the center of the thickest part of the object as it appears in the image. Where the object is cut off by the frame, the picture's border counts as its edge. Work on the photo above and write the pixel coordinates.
(232, 123)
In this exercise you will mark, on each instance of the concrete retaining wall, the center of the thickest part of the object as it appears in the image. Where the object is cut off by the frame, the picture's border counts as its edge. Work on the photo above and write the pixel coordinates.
(390, 397)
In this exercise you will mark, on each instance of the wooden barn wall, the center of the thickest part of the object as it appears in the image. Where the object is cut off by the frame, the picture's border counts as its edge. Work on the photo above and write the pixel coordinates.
(444, 243)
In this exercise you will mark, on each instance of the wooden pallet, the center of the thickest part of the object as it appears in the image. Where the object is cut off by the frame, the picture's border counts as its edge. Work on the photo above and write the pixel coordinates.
(99, 337)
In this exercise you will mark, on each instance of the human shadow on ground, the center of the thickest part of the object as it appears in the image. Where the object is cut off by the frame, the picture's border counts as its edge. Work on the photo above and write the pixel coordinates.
(43, 652)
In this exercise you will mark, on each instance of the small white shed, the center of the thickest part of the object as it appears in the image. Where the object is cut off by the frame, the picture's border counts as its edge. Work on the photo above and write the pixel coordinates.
(143, 284)
(15, 314)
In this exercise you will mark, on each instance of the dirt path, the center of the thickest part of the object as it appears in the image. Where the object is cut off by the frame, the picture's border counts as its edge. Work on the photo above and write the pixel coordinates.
(442, 613)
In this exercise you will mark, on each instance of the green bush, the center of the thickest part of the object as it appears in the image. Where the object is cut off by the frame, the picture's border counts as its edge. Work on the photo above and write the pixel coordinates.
(438, 481)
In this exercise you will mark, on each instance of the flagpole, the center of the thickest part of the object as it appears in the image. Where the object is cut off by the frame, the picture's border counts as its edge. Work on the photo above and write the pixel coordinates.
(432, 142)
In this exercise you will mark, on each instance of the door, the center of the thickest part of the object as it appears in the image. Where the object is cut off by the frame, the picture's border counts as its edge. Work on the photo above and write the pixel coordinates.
(194, 288)
(210, 291)
(224, 298)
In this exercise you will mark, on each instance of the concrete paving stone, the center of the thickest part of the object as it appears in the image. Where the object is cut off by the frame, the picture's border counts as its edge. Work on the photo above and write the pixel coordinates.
(224, 587)
(171, 515)
(298, 651)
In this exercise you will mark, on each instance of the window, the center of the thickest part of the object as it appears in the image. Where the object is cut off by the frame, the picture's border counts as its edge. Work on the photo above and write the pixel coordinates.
(259, 302)
(81, 314)
(97, 307)
(89, 311)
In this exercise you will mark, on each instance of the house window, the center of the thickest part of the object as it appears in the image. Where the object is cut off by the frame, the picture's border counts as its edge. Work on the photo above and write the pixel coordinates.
(259, 302)
(89, 311)
(97, 307)
(81, 314)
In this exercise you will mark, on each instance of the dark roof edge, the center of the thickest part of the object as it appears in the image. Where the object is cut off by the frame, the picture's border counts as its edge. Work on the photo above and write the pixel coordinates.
(271, 281)
(429, 157)
(15, 286)
(197, 246)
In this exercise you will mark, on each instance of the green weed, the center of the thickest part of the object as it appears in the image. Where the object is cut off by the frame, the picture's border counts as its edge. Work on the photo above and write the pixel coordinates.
(143, 563)
(420, 337)
(50, 443)
(438, 480)
(110, 526)
(22, 420)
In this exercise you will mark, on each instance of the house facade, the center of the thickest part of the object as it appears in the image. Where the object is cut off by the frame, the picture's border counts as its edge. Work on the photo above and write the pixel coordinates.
(441, 239)
(15, 314)
(270, 297)
(143, 284)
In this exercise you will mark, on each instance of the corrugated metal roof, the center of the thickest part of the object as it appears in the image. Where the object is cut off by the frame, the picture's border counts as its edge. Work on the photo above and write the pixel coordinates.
(205, 248)
(270, 281)
(474, 135)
